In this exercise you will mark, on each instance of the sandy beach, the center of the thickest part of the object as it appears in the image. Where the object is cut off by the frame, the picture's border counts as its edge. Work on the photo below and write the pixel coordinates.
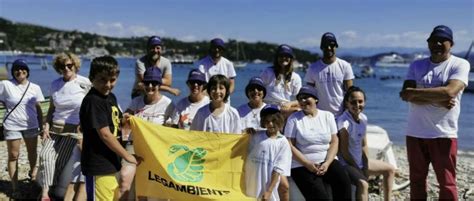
(465, 176)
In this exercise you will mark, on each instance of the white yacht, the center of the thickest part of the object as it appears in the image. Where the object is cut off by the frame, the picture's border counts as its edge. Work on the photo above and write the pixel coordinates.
(392, 60)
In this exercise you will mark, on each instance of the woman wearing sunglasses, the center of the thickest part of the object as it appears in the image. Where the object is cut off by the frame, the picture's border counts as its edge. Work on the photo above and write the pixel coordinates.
(62, 141)
(312, 134)
(151, 106)
(22, 118)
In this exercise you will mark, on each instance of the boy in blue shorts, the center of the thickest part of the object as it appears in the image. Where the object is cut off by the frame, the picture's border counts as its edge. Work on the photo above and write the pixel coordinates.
(100, 123)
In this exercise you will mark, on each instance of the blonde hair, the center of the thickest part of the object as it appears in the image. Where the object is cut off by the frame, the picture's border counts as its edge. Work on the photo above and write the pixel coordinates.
(61, 59)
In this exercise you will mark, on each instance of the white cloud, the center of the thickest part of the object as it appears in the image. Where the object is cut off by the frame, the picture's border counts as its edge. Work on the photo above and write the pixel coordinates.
(118, 29)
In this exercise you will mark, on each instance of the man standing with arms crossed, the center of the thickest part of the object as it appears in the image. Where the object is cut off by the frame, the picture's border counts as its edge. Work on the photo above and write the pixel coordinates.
(153, 58)
(433, 89)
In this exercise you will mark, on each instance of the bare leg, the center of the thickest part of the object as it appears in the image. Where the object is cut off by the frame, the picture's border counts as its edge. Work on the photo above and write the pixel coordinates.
(283, 189)
(362, 190)
(31, 148)
(378, 167)
(75, 191)
(127, 174)
(13, 147)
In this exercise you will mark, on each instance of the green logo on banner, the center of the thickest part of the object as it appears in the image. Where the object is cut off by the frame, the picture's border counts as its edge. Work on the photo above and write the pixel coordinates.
(188, 165)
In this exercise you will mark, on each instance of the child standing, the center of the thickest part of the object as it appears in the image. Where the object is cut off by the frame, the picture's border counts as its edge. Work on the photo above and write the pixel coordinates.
(217, 116)
(269, 157)
(100, 122)
(353, 150)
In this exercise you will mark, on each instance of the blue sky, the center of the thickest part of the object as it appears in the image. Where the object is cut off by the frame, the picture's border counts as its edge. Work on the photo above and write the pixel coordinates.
(356, 23)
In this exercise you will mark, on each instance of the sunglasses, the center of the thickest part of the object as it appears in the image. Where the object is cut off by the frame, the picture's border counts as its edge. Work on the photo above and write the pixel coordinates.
(303, 97)
(64, 66)
(437, 39)
(193, 82)
(153, 83)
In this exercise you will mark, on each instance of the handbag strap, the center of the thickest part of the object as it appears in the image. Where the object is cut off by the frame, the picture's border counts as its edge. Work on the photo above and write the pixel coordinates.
(6, 116)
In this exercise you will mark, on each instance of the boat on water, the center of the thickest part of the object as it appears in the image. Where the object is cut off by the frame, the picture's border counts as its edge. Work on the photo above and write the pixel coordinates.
(240, 58)
(392, 60)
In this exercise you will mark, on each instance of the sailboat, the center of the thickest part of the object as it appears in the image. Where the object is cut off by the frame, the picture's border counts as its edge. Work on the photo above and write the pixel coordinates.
(239, 63)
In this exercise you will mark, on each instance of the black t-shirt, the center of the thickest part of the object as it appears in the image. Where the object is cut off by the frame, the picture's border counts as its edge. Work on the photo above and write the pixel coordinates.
(99, 111)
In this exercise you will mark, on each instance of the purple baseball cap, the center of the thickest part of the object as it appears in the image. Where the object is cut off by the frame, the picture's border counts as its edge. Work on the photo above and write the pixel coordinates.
(268, 110)
(152, 74)
(153, 41)
(256, 82)
(328, 38)
(308, 90)
(285, 49)
(196, 75)
(442, 31)
(218, 42)
(20, 64)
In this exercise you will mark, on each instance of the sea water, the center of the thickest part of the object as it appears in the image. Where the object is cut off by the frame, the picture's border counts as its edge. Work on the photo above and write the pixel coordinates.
(384, 107)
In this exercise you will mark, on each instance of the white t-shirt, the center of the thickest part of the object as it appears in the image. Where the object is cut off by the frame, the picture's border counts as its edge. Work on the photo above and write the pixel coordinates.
(67, 98)
(357, 132)
(159, 113)
(24, 116)
(328, 79)
(265, 156)
(222, 67)
(226, 122)
(277, 91)
(186, 111)
(430, 120)
(312, 134)
(249, 117)
(140, 67)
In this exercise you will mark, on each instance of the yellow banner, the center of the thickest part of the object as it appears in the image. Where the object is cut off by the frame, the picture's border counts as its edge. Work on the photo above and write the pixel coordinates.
(189, 165)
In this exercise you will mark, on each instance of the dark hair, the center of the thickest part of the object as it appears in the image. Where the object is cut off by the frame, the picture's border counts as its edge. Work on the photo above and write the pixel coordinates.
(103, 64)
(20, 64)
(287, 75)
(277, 119)
(219, 79)
(349, 92)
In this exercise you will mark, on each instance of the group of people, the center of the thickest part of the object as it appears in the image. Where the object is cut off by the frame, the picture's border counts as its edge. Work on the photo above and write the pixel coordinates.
(314, 131)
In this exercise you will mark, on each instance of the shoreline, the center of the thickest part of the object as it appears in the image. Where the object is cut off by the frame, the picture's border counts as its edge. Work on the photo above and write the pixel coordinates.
(465, 178)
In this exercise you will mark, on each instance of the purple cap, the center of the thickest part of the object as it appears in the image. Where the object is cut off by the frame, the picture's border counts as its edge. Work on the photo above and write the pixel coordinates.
(328, 38)
(152, 74)
(218, 42)
(256, 82)
(20, 64)
(196, 75)
(308, 90)
(285, 49)
(268, 110)
(442, 31)
(154, 41)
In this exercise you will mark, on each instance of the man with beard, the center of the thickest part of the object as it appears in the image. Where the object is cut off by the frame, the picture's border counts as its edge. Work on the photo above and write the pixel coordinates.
(330, 75)
(215, 63)
(153, 58)
(433, 90)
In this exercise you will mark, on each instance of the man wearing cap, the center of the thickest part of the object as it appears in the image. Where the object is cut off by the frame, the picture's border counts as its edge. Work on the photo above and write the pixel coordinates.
(188, 106)
(153, 58)
(215, 63)
(330, 75)
(433, 90)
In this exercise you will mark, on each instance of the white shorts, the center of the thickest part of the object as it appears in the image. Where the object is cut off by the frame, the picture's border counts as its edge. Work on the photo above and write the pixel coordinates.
(15, 135)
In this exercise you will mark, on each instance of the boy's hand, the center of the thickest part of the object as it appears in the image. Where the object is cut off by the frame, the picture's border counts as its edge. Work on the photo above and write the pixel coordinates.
(131, 159)
(267, 195)
(138, 158)
(250, 131)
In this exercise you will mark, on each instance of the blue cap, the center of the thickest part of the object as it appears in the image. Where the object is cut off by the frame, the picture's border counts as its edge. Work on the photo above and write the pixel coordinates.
(308, 90)
(268, 110)
(152, 74)
(218, 42)
(20, 64)
(196, 75)
(328, 38)
(154, 41)
(285, 49)
(256, 82)
(442, 31)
